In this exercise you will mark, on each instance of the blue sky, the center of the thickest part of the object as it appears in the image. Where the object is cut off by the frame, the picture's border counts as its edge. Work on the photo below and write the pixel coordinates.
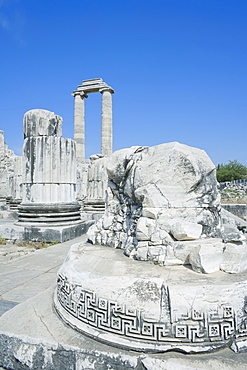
(178, 67)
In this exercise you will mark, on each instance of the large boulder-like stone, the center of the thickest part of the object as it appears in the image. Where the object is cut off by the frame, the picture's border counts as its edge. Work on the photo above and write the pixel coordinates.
(230, 220)
(170, 176)
(160, 196)
(232, 234)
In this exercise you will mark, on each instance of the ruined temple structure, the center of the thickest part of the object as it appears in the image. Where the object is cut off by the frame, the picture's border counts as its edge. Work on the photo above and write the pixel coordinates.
(49, 207)
(91, 174)
(160, 271)
(49, 171)
(10, 177)
(164, 266)
(88, 87)
(86, 179)
(97, 181)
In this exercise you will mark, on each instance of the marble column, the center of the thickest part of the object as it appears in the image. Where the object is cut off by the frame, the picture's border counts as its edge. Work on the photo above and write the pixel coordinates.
(79, 123)
(106, 133)
(49, 171)
(2, 145)
(3, 169)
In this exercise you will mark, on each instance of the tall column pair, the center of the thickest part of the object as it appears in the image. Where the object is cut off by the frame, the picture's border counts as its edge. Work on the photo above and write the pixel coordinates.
(79, 121)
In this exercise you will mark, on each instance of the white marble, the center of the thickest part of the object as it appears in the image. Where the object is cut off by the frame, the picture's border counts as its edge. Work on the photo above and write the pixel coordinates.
(49, 169)
(79, 123)
(97, 179)
(138, 305)
(49, 172)
(160, 197)
(234, 258)
(88, 87)
(41, 122)
(10, 173)
(106, 133)
(185, 230)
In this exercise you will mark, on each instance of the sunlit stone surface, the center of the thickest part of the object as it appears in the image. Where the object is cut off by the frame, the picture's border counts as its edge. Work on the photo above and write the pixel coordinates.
(162, 210)
(48, 180)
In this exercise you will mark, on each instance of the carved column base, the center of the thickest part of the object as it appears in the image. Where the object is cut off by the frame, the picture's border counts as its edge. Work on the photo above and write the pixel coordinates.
(54, 214)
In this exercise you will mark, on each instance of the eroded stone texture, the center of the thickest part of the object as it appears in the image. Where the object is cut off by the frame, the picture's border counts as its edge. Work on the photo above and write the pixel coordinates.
(49, 171)
(106, 136)
(156, 197)
(81, 178)
(10, 175)
(88, 87)
(162, 206)
(96, 186)
(49, 166)
(41, 122)
(141, 306)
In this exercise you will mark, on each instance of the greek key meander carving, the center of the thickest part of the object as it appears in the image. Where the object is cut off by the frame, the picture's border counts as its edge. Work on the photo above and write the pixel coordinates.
(108, 316)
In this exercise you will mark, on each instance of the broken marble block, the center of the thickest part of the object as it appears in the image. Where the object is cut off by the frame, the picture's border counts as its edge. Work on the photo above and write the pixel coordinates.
(144, 228)
(232, 234)
(163, 205)
(206, 256)
(234, 258)
(186, 230)
(41, 122)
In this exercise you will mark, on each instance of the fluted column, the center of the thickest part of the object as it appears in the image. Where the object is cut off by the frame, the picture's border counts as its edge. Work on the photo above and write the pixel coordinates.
(79, 123)
(106, 133)
(49, 171)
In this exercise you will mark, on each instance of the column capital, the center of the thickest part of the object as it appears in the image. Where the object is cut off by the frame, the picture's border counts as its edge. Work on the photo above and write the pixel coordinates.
(81, 93)
(107, 88)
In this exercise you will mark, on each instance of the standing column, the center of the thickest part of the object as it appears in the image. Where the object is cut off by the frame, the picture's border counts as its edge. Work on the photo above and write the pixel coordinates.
(79, 123)
(49, 172)
(106, 133)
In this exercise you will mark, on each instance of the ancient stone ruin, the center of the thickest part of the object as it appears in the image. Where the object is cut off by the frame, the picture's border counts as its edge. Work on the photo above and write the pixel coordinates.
(87, 87)
(49, 171)
(160, 202)
(157, 197)
(155, 273)
(48, 179)
(10, 178)
(56, 186)
(164, 267)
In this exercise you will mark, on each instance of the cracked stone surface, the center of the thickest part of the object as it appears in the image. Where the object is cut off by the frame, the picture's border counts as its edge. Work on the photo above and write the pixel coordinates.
(146, 307)
(163, 197)
(28, 344)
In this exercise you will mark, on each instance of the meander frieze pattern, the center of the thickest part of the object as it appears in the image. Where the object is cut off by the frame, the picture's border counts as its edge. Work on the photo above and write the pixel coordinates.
(105, 315)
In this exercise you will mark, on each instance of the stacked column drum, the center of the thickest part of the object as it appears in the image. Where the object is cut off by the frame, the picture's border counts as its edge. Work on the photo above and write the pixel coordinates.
(49, 171)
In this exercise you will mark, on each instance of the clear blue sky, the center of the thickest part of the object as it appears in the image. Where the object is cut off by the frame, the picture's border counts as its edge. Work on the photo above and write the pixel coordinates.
(178, 67)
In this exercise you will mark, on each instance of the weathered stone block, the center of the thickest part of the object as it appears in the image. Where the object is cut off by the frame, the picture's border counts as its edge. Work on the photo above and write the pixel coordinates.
(144, 228)
(234, 258)
(146, 300)
(41, 122)
(186, 230)
(206, 257)
(161, 194)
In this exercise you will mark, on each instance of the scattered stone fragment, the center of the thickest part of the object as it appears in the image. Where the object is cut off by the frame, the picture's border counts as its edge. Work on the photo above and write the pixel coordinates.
(234, 258)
